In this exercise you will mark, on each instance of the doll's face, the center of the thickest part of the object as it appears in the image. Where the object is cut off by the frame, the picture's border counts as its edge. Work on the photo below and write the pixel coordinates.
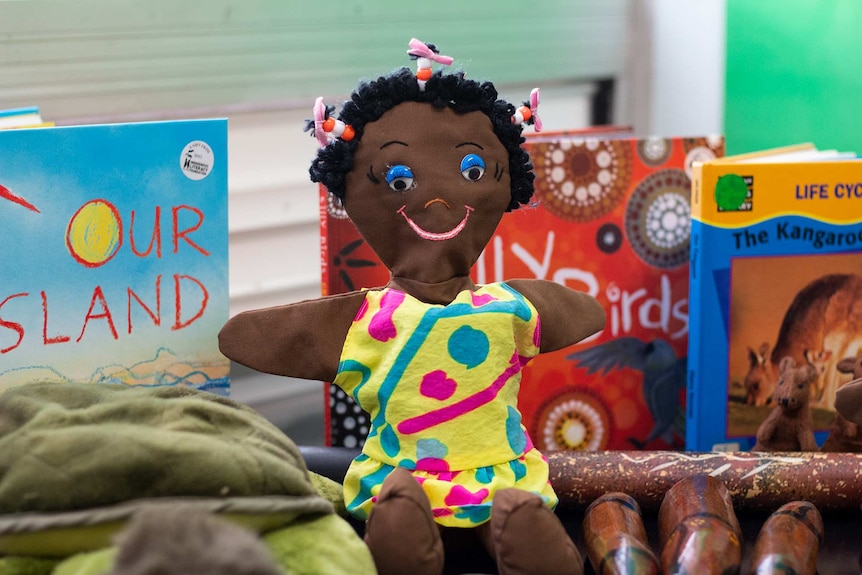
(427, 189)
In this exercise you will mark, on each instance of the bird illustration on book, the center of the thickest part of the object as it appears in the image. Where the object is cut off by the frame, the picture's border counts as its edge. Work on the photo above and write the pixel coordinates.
(345, 260)
(663, 379)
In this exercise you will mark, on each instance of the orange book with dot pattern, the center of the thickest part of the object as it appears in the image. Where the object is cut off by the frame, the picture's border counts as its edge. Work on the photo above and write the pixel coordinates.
(610, 216)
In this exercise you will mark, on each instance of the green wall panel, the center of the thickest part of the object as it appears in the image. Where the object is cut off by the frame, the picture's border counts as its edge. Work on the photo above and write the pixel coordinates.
(794, 73)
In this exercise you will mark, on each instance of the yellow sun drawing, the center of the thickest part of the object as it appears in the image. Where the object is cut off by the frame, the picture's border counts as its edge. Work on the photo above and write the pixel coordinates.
(95, 233)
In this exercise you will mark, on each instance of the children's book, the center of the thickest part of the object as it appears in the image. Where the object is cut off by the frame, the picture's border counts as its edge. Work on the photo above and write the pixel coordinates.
(610, 216)
(115, 255)
(776, 272)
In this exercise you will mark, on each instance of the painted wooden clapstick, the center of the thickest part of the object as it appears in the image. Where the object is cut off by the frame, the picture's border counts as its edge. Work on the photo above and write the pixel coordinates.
(760, 482)
(789, 541)
(698, 530)
(615, 537)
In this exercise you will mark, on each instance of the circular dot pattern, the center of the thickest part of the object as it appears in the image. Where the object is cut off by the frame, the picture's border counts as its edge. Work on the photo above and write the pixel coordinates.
(654, 151)
(657, 219)
(573, 420)
(701, 150)
(609, 238)
(335, 208)
(348, 424)
(581, 180)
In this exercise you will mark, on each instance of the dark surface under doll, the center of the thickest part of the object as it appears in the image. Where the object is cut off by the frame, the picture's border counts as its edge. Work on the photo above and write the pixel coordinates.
(428, 171)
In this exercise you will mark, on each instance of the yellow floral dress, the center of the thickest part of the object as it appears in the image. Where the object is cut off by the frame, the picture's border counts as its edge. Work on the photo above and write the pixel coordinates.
(440, 383)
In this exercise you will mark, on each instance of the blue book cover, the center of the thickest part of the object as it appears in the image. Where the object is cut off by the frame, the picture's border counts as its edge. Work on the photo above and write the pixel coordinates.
(776, 272)
(114, 260)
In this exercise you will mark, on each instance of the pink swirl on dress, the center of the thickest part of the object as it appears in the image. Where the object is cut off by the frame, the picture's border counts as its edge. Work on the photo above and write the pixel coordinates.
(529, 447)
(459, 408)
(432, 464)
(437, 385)
(360, 313)
(460, 495)
(381, 327)
(447, 476)
(480, 300)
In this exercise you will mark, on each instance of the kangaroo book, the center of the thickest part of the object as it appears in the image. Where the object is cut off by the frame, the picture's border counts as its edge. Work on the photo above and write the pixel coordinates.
(776, 273)
(115, 254)
(610, 216)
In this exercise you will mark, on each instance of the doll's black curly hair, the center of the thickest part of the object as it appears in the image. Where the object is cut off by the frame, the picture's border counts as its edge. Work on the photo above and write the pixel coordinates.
(372, 99)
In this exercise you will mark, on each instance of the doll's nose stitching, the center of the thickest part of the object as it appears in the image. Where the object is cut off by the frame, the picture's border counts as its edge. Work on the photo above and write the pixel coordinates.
(435, 200)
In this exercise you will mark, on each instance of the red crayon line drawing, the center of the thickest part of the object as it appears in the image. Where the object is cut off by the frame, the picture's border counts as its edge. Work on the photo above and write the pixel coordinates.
(6, 194)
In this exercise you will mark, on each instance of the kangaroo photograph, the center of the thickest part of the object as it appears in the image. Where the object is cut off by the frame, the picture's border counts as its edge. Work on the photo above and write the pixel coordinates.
(807, 308)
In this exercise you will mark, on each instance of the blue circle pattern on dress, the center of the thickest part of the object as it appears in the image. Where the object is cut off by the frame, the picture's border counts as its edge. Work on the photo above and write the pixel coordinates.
(516, 436)
(431, 448)
(469, 346)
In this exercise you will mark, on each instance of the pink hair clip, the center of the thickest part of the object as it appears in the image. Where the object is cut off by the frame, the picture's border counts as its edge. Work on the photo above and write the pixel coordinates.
(529, 112)
(327, 128)
(425, 54)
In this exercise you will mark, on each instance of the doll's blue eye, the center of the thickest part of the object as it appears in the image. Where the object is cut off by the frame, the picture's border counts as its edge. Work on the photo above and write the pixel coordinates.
(399, 178)
(472, 167)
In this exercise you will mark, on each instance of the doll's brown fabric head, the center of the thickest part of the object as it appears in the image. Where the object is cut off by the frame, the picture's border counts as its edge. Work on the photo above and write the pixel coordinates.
(373, 99)
(428, 188)
(425, 166)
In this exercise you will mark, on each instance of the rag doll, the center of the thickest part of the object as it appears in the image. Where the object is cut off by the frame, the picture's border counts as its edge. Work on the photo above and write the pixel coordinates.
(425, 165)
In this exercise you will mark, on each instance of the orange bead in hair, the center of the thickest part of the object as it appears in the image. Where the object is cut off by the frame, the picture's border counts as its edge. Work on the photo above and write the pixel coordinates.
(348, 133)
(525, 112)
(328, 124)
(423, 74)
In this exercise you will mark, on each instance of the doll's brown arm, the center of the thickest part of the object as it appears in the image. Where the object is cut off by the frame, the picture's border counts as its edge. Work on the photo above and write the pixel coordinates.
(301, 340)
(567, 316)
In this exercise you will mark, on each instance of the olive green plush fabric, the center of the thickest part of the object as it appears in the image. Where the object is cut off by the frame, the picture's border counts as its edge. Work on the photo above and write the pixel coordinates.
(27, 566)
(311, 546)
(77, 462)
(70, 446)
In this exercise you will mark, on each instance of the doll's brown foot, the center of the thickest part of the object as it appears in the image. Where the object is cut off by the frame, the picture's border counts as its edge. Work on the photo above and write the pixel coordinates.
(401, 532)
(529, 539)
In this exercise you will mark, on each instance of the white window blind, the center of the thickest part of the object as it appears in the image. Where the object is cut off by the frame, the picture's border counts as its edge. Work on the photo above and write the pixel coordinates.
(261, 63)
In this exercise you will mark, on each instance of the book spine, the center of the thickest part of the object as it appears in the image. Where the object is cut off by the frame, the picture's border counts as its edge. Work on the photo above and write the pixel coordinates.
(322, 204)
(27, 111)
(322, 213)
(692, 410)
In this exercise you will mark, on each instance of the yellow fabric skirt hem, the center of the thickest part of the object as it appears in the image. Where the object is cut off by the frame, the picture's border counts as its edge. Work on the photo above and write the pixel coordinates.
(458, 498)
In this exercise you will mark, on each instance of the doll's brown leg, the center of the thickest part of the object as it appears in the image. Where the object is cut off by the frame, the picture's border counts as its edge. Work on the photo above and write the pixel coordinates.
(401, 532)
(528, 539)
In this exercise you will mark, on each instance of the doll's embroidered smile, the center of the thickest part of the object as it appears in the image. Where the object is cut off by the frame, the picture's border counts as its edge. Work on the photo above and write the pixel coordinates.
(426, 235)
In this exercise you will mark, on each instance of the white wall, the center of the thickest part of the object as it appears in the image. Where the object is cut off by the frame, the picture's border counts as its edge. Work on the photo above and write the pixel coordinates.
(676, 67)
